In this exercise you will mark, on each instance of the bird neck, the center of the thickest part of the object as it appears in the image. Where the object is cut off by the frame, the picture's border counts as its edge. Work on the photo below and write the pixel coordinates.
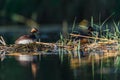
(32, 35)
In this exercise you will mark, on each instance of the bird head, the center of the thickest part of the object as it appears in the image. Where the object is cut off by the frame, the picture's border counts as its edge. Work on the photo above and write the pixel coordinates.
(84, 27)
(34, 30)
(83, 24)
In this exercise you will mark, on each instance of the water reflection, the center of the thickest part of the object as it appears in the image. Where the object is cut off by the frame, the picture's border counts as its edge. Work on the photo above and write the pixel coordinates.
(28, 60)
(51, 67)
(28, 67)
(2, 55)
(105, 69)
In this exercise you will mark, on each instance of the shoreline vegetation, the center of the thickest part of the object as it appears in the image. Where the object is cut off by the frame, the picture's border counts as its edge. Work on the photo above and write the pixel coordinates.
(104, 48)
(104, 45)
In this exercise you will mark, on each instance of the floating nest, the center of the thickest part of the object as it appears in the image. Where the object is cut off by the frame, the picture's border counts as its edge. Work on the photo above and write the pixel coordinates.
(97, 48)
(26, 48)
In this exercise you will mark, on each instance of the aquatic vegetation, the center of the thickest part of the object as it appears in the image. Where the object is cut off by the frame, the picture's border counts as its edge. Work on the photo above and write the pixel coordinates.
(101, 42)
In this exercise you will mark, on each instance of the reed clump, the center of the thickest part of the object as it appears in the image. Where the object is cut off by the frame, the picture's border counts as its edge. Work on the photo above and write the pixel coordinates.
(102, 42)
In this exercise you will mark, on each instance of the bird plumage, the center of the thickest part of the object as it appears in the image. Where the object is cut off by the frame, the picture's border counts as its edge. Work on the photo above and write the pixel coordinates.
(26, 39)
(84, 29)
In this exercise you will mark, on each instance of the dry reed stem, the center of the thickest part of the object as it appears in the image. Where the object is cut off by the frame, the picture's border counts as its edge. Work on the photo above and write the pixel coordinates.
(2, 41)
(17, 54)
(53, 44)
(49, 44)
(78, 35)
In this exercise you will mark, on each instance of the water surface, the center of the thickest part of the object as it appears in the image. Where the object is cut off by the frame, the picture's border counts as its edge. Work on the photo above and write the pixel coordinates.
(52, 67)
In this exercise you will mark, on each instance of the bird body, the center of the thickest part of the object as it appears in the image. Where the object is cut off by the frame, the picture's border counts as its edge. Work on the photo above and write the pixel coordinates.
(84, 29)
(26, 39)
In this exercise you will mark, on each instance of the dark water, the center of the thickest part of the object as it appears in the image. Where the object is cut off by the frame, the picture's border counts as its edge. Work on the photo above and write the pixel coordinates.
(52, 67)
(47, 67)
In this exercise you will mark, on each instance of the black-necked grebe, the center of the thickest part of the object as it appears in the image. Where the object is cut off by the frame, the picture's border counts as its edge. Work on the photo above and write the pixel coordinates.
(26, 39)
(84, 29)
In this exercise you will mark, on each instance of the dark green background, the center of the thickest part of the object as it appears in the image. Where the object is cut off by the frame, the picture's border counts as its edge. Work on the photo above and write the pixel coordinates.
(55, 11)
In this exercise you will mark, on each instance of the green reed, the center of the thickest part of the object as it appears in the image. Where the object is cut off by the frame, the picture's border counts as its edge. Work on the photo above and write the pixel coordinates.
(78, 51)
(61, 51)
(73, 26)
